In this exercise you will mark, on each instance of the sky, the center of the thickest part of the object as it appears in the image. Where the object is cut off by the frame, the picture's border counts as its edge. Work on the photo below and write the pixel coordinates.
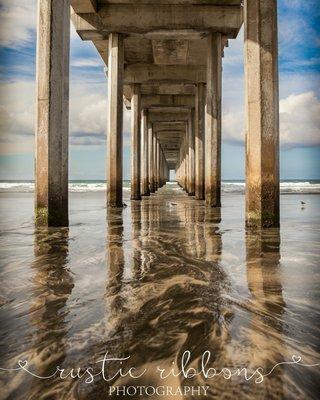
(299, 69)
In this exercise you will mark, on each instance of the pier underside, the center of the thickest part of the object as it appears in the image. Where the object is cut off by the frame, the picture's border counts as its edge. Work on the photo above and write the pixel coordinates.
(164, 63)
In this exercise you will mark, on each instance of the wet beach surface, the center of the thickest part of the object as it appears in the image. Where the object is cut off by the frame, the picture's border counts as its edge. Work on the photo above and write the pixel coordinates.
(152, 281)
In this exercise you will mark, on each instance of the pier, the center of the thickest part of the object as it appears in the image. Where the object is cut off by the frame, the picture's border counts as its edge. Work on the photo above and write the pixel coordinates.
(164, 63)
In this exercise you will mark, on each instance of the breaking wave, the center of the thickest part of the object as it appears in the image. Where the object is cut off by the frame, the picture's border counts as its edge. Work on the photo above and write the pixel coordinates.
(287, 187)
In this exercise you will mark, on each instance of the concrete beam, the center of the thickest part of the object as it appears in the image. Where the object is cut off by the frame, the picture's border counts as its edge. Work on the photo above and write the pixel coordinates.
(181, 2)
(168, 89)
(169, 110)
(144, 73)
(166, 125)
(87, 30)
(149, 101)
(162, 94)
(84, 6)
(170, 136)
(170, 52)
(144, 18)
(168, 117)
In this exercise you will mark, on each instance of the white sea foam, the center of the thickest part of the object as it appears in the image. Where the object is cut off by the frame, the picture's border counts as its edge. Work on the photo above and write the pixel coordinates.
(227, 187)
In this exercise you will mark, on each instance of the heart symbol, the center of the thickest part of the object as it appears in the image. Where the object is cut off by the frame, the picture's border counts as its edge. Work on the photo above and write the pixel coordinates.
(296, 359)
(22, 363)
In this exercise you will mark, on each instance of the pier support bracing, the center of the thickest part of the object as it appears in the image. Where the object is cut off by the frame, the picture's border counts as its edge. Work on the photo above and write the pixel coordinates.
(176, 58)
(213, 121)
(51, 170)
(114, 120)
(262, 108)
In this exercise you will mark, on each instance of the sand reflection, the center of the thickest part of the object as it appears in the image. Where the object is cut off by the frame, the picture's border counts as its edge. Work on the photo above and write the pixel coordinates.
(265, 333)
(164, 287)
(173, 303)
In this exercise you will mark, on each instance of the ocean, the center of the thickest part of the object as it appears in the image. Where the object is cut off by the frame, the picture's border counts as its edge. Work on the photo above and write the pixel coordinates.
(228, 186)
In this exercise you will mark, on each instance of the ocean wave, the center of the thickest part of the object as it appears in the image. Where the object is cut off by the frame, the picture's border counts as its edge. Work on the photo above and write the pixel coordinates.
(227, 187)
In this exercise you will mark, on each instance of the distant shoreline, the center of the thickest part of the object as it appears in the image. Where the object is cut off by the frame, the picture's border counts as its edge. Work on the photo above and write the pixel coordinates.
(227, 187)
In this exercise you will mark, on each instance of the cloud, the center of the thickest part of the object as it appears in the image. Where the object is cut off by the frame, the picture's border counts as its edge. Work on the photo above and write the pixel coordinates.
(300, 120)
(88, 114)
(18, 22)
(299, 106)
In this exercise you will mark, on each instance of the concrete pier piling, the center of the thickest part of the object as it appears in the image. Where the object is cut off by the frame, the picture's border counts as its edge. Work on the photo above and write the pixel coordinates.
(145, 190)
(262, 108)
(136, 143)
(166, 66)
(115, 120)
(199, 142)
(150, 157)
(51, 169)
(191, 144)
(213, 121)
(155, 162)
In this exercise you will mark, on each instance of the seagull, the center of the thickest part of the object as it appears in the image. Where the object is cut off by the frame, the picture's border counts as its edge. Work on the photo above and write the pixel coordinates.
(302, 202)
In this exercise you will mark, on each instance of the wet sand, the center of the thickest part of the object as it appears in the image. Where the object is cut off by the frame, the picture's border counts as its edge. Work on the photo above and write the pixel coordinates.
(153, 281)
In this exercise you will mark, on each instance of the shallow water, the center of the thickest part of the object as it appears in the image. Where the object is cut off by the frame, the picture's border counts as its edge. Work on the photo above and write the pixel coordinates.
(152, 282)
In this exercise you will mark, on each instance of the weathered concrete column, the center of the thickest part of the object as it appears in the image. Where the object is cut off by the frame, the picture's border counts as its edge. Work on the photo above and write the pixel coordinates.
(114, 120)
(199, 141)
(180, 165)
(213, 122)
(161, 169)
(150, 157)
(155, 162)
(191, 142)
(187, 179)
(53, 43)
(145, 191)
(262, 107)
(158, 177)
(184, 164)
(136, 143)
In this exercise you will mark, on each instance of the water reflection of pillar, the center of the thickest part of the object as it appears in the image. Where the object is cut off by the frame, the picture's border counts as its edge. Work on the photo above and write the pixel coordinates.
(53, 285)
(200, 246)
(154, 216)
(114, 258)
(212, 234)
(190, 228)
(264, 283)
(136, 238)
(145, 232)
